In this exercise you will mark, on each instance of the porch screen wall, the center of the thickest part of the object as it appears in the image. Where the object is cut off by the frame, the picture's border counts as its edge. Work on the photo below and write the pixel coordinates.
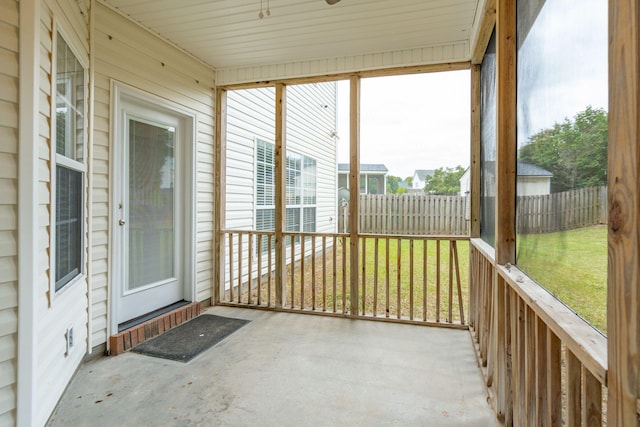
(562, 151)
(488, 143)
(311, 157)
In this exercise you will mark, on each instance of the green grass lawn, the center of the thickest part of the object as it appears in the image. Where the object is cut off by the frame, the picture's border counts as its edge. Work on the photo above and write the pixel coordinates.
(572, 265)
(393, 295)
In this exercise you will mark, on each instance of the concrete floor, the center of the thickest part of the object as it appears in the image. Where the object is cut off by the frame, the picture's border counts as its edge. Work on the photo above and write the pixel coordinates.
(287, 369)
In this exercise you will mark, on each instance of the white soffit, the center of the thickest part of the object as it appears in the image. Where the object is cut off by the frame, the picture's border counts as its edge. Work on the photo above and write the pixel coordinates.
(229, 35)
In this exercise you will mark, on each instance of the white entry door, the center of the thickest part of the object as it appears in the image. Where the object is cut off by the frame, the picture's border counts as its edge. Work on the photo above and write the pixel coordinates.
(150, 209)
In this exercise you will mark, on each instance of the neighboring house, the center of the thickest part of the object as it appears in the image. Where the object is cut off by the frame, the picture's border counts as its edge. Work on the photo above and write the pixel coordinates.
(532, 180)
(420, 178)
(373, 178)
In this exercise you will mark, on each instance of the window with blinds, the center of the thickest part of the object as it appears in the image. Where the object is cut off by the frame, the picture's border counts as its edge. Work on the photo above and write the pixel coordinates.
(300, 194)
(70, 169)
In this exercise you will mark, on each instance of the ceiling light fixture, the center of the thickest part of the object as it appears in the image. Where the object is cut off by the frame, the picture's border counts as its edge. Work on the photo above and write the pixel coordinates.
(332, 2)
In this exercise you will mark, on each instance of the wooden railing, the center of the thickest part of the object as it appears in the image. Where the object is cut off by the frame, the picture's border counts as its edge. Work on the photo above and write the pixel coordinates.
(400, 278)
(543, 364)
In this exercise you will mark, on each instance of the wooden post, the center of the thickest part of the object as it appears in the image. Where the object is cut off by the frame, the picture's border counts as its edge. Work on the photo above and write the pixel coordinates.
(506, 151)
(354, 188)
(280, 191)
(623, 296)
(474, 168)
(220, 193)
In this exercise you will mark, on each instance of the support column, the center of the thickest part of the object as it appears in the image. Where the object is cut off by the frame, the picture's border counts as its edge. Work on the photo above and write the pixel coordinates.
(474, 168)
(354, 189)
(280, 194)
(505, 204)
(623, 278)
(220, 193)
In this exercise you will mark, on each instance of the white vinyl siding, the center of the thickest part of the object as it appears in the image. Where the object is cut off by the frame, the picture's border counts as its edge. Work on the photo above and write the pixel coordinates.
(250, 116)
(311, 119)
(55, 313)
(8, 209)
(129, 54)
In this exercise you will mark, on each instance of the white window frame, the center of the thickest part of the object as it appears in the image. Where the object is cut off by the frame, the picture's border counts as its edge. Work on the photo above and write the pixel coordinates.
(69, 163)
(301, 206)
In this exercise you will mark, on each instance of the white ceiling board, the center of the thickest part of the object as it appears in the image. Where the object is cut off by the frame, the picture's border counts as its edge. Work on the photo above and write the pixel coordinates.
(228, 33)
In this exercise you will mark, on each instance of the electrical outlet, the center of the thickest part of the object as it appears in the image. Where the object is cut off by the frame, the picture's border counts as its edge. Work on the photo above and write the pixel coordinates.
(69, 340)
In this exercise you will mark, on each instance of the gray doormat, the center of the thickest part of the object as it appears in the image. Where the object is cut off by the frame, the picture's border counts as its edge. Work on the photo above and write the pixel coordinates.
(188, 340)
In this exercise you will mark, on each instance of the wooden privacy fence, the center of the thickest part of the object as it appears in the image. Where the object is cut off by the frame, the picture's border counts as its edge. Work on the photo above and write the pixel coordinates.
(409, 214)
(582, 207)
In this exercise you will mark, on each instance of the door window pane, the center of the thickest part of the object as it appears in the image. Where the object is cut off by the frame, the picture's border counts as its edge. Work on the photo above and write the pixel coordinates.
(151, 223)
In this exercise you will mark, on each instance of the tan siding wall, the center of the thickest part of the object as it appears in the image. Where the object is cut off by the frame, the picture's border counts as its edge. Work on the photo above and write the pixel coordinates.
(54, 314)
(129, 54)
(8, 209)
(455, 52)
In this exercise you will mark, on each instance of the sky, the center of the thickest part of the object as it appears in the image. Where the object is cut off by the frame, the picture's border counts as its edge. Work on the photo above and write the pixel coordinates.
(422, 121)
(419, 121)
(572, 73)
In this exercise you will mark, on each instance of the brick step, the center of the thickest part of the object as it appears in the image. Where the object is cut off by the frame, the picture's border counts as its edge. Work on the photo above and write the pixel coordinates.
(125, 340)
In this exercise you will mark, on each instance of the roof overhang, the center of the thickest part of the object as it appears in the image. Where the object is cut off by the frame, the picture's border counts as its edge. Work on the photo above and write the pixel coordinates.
(301, 38)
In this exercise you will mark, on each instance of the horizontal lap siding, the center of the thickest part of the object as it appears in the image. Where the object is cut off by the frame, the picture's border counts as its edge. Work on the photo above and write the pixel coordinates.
(250, 115)
(8, 210)
(311, 112)
(311, 122)
(55, 313)
(131, 55)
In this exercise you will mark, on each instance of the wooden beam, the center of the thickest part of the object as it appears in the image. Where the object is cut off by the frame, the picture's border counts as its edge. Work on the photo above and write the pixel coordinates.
(354, 189)
(505, 196)
(395, 71)
(482, 30)
(220, 193)
(474, 168)
(280, 193)
(623, 277)
(506, 135)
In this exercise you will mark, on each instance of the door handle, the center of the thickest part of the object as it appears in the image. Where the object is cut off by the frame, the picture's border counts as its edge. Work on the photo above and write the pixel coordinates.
(121, 222)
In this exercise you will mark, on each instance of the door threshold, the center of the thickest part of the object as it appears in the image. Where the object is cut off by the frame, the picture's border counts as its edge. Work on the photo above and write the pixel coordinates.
(155, 313)
(151, 325)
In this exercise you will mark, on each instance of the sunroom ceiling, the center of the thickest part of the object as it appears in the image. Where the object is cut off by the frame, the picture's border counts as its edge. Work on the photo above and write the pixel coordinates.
(229, 33)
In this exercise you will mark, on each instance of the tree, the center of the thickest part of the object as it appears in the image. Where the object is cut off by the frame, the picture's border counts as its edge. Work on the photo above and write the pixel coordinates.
(444, 181)
(409, 180)
(575, 151)
(392, 184)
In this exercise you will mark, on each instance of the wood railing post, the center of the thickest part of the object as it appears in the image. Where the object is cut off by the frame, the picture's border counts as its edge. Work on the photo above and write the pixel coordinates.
(220, 194)
(280, 191)
(354, 188)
